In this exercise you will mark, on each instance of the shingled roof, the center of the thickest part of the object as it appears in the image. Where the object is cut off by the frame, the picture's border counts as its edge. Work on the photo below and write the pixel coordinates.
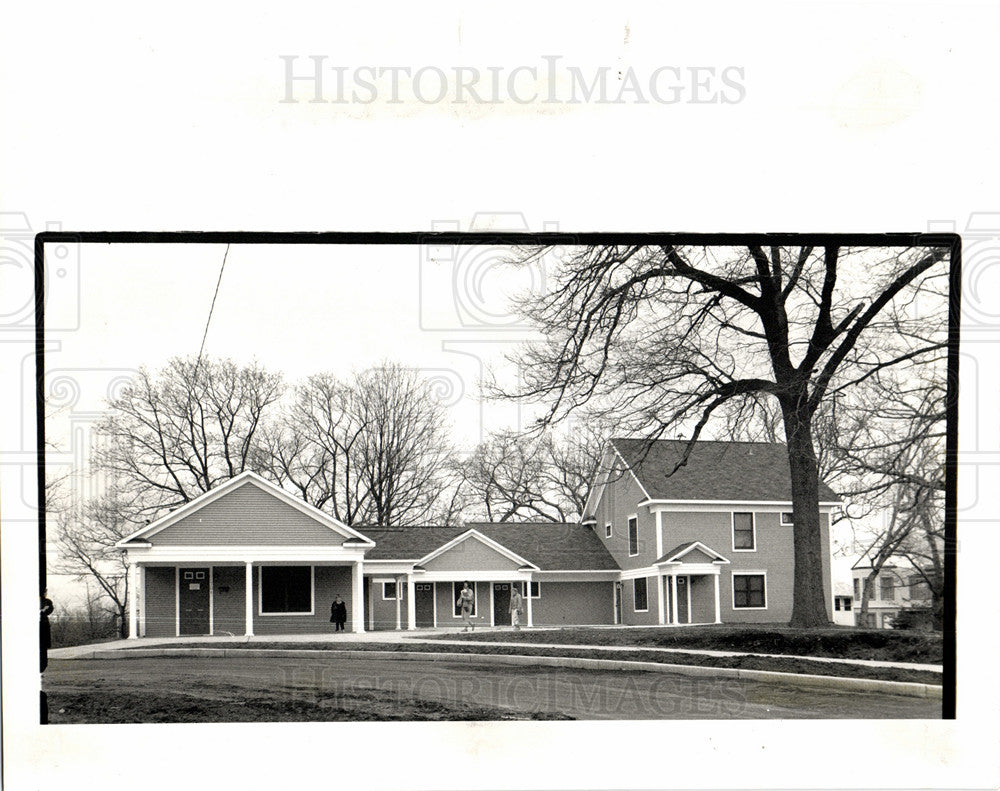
(724, 471)
(550, 546)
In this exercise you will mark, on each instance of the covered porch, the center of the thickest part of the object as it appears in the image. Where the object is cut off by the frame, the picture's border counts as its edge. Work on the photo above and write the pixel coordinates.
(687, 582)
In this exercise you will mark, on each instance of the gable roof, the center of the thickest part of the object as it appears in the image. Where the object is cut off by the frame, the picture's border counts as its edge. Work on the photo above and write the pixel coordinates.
(471, 534)
(715, 471)
(677, 553)
(243, 479)
(549, 546)
(552, 546)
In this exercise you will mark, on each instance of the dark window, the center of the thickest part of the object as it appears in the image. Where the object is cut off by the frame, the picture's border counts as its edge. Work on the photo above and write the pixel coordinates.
(887, 588)
(285, 589)
(857, 588)
(536, 591)
(607, 530)
(456, 591)
(388, 590)
(640, 601)
(743, 531)
(786, 518)
(633, 536)
(748, 590)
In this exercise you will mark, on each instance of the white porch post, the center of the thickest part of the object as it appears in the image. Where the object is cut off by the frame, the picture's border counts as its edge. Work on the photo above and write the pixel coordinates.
(660, 593)
(411, 604)
(399, 598)
(673, 599)
(358, 597)
(249, 599)
(133, 605)
(527, 598)
(142, 601)
(718, 609)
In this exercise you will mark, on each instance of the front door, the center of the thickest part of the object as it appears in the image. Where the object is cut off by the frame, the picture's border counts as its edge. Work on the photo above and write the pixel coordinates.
(423, 601)
(501, 603)
(682, 599)
(193, 600)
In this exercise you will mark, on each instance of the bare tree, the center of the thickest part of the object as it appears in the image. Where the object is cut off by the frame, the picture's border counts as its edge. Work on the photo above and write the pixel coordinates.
(528, 477)
(85, 542)
(401, 456)
(311, 448)
(174, 434)
(662, 337)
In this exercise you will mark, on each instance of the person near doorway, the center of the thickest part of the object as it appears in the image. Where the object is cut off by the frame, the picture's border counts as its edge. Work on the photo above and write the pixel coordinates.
(465, 603)
(338, 613)
(516, 601)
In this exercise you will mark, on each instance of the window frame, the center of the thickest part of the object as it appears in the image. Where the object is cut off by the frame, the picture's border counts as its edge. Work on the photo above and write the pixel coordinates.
(882, 580)
(609, 530)
(633, 519)
(456, 588)
(753, 531)
(735, 574)
(790, 522)
(645, 585)
(260, 591)
(395, 594)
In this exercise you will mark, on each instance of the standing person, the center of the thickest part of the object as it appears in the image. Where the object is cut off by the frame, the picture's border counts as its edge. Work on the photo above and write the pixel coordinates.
(338, 613)
(45, 631)
(466, 600)
(516, 601)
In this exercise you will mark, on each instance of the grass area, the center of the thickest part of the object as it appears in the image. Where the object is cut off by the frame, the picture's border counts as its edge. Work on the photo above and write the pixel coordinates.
(777, 664)
(839, 642)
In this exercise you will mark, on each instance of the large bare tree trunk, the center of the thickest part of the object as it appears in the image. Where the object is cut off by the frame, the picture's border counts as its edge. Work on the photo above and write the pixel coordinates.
(809, 606)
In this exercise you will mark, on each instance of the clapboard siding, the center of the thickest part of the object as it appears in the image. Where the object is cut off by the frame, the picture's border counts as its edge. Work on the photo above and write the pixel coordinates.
(471, 554)
(161, 601)
(247, 515)
(229, 601)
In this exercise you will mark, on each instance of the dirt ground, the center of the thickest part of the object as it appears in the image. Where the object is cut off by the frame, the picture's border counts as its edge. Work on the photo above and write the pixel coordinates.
(195, 689)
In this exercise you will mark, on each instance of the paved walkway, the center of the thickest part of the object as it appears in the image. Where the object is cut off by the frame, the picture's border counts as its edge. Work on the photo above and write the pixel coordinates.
(429, 636)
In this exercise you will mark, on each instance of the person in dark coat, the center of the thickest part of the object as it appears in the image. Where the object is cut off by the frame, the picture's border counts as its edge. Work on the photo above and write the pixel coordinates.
(338, 613)
(45, 631)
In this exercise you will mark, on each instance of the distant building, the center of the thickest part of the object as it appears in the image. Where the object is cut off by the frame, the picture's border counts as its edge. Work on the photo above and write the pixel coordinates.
(898, 586)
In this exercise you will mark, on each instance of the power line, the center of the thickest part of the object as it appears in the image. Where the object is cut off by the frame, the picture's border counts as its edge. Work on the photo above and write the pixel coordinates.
(211, 310)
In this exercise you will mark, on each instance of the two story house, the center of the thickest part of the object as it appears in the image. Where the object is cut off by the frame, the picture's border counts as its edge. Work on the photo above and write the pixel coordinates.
(709, 543)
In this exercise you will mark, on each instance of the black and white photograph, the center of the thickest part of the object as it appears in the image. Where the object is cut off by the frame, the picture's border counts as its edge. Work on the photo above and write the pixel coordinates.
(632, 479)
(536, 396)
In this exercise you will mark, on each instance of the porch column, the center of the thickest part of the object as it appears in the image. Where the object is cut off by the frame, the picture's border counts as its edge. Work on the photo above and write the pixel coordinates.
(718, 610)
(527, 589)
(399, 597)
(661, 616)
(133, 604)
(673, 600)
(411, 603)
(249, 599)
(358, 597)
(142, 601)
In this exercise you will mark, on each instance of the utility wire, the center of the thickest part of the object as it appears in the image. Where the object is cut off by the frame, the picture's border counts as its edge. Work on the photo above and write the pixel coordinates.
(211, 310)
